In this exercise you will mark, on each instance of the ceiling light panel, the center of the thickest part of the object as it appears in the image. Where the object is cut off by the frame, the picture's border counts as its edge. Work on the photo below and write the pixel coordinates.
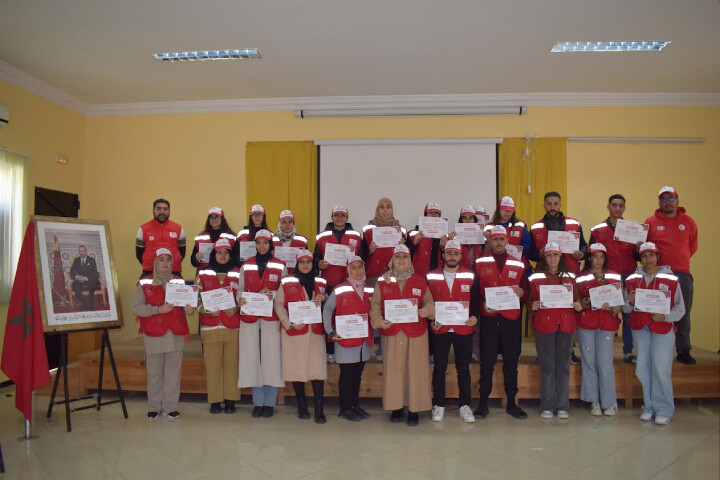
(202, 55)
(643, 46)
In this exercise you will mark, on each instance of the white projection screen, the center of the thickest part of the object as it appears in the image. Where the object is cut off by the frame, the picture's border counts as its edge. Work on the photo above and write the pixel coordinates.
(452, 172)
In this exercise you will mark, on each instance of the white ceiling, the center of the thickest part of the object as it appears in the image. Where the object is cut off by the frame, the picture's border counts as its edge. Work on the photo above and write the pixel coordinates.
(99, 50)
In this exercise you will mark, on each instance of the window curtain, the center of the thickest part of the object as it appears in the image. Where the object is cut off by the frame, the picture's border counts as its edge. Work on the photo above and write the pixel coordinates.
(283, 175)
(12, 217)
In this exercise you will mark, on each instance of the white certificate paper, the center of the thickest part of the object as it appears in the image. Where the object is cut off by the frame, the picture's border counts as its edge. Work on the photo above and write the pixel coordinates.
(247, 250)
(652, 301)
(287, 255)
(569, 242)
(469, 233)
(630, 232)
(179, 294)
(205, 249)
(452, 313)
(556, 296)
(501, 298)
(401, 311)
(386, 236)
(514, 251)
(304, 312)
(433, 227)
(257, 304)
(218, 299)
(610, 294)
(351, 326)
(336, 254)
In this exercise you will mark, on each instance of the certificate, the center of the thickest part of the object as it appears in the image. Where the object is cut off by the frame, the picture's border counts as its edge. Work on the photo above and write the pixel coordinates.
(218, 300)
(401, 311)
(351, 326)
(336, 254)
(652, 301)
(630, 232)
(386, 236)
(569, 242)
(610, 294)
(247, 250)
(179, 294)
(287, 255)
(257, 304)
(469, 233)
(205, 249)
(556, 296)
(433, 227)
(452, 313)
(304, 312)
(514, 251)
(501, 298)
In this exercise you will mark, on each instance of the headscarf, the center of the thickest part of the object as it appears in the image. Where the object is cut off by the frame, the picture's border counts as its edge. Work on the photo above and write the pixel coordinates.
(284, 237)
(378, 222)
(399, 274)
(358, 285)
(307, 280)
(160, 278)
(217, 267)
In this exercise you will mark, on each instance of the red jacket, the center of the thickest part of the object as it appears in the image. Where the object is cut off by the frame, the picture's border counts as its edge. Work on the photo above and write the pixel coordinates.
(663, 282)
(161, 235)
(253, 283)
(461, 291)
(157, 325)
(620, 255)
(378, 261)
(590, 319)
(414, 288)
(547, 320)
(676, 238)
(348, 302)
(335, 274)
(294, 292)
(208, 280)
(540, 238)
(490, 276)
(423, 252)
(470, 253)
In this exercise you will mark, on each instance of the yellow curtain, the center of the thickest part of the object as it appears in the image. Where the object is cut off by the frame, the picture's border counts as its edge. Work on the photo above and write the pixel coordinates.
(283, 175)
(548, 171)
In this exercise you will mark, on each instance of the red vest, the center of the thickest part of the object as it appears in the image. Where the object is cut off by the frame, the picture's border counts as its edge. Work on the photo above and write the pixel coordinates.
(490, 276)
(620, 255)
(379, 260)
(348, 302)
(590, 319)
(157, 325)
(421, 256)
(297, 241)
(547, 320)
(662, 281)
(161, 235)
(208, 280)
(253, 283)
(335, 274)
(470, 253)
(461, 291)
(204, 237)
(540, 238)
(515, 230)
(294, 292)
(415, 287)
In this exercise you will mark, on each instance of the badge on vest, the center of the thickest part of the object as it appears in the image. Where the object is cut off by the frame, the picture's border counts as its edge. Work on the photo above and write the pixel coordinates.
(173, 234)
(681, 227)
(352, 242)
(151, 237)
(417, 291)
(663, 287)
(233, 285)
(321, 289)
(465, 288)
(273, 278)
(514, 233)
(512, 274)
(661, 227)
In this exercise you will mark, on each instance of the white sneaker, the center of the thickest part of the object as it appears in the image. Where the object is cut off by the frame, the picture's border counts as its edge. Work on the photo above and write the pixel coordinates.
(438, 413)
(661, 420)
(563, 414)
(547, 414)
(595, 409)
(467, 414)
(330, 358)
(611, 411)
(646, 416)
(499, 357)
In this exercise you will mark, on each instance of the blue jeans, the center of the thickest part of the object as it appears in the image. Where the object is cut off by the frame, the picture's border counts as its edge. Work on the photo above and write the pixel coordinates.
(598, 372)
(654, 370)
(627, 334)
(265, 396)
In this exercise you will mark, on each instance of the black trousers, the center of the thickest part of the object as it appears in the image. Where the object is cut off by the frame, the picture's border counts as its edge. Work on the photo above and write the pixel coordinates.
(498, 334)
(349, 384)
(462, 346)
(682, 337)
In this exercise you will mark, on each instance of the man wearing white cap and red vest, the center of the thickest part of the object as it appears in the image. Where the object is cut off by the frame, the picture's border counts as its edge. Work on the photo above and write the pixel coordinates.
(426, 252)
(160, 232)
(676, 235)
(337, 232)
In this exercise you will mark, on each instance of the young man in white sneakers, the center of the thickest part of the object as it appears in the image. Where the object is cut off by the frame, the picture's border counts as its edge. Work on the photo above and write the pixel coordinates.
(451, 287)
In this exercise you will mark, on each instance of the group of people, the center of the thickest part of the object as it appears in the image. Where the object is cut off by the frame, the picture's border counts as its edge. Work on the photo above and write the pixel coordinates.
(266, 351)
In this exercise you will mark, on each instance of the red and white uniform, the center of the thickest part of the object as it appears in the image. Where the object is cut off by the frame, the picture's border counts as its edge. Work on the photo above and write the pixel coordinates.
(156, 235)
(461, 291)
(490, 276)
(547, 320)
(515, 231)
(540, 238)
(210, 280)
(158, 325)
(379, 260)
(620, 256)
(421, 255)
(348, 302)
(590, 319)
(675, 237)
(414, 288)
(253, 283)
(294, 292)
(297, 241)
(664, 282)
(335, 274)
(204, 237)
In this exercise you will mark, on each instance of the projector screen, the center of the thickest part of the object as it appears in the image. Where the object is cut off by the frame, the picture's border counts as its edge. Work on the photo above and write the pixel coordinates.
(452, 172)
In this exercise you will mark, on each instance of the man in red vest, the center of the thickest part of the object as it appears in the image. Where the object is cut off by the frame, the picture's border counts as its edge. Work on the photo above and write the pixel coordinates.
(160, 232)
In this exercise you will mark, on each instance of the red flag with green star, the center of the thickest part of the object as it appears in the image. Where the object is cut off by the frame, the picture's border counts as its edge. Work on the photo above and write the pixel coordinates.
(24, 359)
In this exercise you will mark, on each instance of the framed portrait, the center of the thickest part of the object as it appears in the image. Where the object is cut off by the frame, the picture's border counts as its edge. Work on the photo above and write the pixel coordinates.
(77, 280)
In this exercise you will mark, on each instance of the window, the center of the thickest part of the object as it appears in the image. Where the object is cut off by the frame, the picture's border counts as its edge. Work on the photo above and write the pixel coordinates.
(12, 217)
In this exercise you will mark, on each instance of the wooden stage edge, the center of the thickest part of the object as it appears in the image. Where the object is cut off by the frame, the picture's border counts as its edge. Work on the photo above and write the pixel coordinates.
(698, 381)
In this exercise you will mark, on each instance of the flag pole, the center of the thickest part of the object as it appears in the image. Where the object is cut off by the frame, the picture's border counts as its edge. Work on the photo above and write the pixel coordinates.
(28, 425)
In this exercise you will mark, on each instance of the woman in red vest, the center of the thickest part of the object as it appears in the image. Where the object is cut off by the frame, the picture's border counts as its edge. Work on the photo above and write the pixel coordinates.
(287, 235)
(257, 220)
(554, 333)
(216, 227)
(596, 329)
(469, 252)
(654, 333)
(163, 327)
(219, 329)
(406, 363)
(350, 298)
(303, 346)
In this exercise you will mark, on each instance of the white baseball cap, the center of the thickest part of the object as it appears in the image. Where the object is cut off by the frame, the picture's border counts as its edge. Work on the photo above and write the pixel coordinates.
(507, 203)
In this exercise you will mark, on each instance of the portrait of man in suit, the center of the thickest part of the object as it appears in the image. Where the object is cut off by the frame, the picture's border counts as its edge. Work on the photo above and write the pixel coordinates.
(84, 275)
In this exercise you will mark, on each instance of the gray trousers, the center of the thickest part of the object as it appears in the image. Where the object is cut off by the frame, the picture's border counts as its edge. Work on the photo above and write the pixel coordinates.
(553, 351)
(682, 337)
(163, 370)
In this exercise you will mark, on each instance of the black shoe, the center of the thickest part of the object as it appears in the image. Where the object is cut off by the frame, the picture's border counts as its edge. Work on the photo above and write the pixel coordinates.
(302, 409)
(303, 414)
(413, 419)
(361, 412)
(397, 415)
(482, 410)
(631, 359)
(573, 358)
(267, 412)
(320, 418)
(174, 415)
(257, 412)
(516, 412)
(229, 406)
(686, 358)
(215, 408)
(350, 415)
(153, 415)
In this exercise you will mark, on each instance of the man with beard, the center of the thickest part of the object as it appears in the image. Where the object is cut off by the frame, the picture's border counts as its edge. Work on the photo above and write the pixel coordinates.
(160, 232)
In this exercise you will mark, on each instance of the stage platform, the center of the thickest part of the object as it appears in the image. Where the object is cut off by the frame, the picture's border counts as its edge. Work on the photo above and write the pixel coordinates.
(698, 381)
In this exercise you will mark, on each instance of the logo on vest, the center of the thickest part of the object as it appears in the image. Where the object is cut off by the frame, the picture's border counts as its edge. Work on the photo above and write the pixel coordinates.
(417, 291)
(273, 278)
(681, 227)
(465, 288)
(233, 285)
(352, 242)
(661, 227)
(321, 289)
(514, 233)
(663, 287)
(151, 237)
(512, 274)
(173, 234)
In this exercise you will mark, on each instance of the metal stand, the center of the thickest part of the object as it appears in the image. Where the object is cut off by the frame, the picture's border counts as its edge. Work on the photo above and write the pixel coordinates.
(2, 462)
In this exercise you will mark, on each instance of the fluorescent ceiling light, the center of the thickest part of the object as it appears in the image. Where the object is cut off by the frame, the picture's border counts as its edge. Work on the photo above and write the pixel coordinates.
(202, 55)
(432, 111)
(647, 46)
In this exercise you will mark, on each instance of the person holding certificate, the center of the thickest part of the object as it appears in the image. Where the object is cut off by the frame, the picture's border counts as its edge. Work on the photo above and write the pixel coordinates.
(219, 327)
(451, 289)
(303, 344)
(380, 236)
(502, 286)
(400, 307)
(163, 327)
(426, 252)
(287, 235)
(216, 227)
(555, 307)
(600, 291)
(334, 245)
(256, 221)
(505, 215)
(655, 303)
(259, 363)
(469, 251)
(346, 321)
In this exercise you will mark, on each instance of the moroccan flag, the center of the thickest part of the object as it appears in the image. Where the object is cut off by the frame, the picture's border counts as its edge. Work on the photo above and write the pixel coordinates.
(24, 359)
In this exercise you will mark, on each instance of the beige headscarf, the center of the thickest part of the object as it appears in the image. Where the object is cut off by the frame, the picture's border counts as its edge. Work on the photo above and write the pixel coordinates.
(398, 274)
(158, 277)
(378, 222)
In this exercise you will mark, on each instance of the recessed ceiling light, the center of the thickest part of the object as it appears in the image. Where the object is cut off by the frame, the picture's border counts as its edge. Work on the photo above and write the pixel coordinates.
(647, 46)
(202, 55)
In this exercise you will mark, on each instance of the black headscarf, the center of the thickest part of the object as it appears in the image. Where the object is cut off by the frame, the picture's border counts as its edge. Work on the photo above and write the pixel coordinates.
(262, 260)
(218, 268)
(307, 280)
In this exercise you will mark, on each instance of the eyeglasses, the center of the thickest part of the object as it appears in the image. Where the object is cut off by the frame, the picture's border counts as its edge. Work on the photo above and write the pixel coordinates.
(668, 199)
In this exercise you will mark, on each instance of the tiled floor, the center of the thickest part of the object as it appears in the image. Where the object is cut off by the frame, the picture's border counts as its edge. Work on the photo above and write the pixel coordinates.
(106, 446)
